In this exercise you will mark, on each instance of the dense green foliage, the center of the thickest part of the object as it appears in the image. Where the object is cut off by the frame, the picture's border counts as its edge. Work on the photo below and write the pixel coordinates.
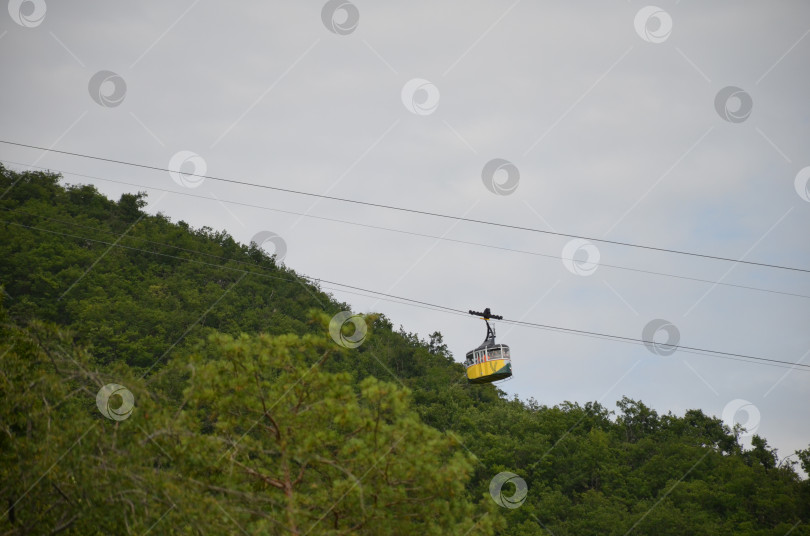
(249, 419)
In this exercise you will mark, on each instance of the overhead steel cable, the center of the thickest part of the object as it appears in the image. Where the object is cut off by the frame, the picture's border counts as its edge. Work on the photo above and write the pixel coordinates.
(692, 349)
(387, 297)
(424, 304)
(401, 231)
(649, 272)
(410, 210)
(688, 349)
(637, 342)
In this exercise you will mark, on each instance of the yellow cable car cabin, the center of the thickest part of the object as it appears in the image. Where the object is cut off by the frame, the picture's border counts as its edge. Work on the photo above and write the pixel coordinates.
(490, 362)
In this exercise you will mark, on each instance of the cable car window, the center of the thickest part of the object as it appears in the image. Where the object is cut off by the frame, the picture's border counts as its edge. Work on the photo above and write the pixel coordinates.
(495, 353)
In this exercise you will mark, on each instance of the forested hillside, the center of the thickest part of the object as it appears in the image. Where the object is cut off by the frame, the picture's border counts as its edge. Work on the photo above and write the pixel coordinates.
(246, 417)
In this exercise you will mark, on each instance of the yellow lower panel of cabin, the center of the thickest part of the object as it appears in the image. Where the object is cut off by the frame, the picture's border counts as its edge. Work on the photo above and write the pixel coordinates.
(489, 371)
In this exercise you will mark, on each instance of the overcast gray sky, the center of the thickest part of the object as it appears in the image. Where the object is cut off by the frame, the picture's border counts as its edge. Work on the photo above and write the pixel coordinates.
(611, 120)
